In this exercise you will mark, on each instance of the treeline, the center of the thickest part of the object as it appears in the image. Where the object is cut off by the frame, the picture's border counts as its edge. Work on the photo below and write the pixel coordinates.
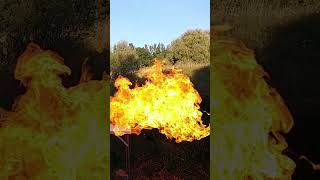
(191, 47)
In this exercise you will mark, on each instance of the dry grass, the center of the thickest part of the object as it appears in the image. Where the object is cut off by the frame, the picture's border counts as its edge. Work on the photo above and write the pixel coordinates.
(188, 68)
(191, 68)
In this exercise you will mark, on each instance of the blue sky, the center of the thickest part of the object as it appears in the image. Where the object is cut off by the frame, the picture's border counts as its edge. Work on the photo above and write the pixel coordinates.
(152, 21)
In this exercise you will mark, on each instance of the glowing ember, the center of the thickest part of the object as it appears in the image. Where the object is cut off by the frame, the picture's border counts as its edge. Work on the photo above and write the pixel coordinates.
(167, 101)
(53, 132)
(248, 115)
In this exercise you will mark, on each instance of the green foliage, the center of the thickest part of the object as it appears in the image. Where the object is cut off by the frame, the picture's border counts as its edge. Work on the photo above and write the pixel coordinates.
(157, 50)
(124, 59)
(192, 46)
(144, 55)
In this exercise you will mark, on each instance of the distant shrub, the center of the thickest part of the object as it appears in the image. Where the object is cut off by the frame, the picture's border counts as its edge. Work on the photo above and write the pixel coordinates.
(192, 46)
(124, 59)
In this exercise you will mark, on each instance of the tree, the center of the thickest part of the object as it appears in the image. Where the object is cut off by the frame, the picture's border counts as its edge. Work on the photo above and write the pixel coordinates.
(144, 55)
(192, 46)
(124, 59)
(157, 50)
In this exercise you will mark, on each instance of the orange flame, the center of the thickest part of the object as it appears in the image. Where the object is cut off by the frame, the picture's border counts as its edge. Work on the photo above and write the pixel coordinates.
(53, 132)
(249, 116)
(167, 101)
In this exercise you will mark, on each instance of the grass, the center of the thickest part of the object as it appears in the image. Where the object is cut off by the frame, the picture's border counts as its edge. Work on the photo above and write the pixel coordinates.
(188, 68)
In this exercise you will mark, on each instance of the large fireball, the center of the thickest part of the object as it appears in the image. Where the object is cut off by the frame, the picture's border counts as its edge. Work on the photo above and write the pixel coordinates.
(249, 117)
(53, 132)
(167, 101)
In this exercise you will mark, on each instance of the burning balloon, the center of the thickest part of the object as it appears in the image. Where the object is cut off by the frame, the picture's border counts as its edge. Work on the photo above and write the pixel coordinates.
(167, 101)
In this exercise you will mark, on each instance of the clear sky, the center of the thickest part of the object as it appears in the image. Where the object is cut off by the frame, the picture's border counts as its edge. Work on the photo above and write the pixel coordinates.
(152, 21)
